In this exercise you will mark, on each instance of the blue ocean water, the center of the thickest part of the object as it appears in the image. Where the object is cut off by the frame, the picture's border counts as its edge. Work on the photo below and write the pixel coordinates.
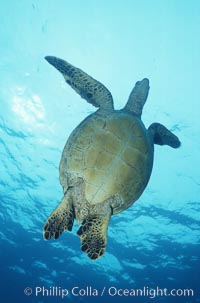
(154, 244)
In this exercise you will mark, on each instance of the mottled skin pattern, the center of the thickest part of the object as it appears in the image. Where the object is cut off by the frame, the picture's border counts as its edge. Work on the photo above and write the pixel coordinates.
(106, 162)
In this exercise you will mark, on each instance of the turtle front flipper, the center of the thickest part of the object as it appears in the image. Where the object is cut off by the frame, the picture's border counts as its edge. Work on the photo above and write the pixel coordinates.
(93, 234)
(61, 219)
(88, 88)
(162, 136)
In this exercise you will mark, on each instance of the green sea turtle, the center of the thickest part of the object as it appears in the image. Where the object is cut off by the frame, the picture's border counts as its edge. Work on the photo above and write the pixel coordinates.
(106, 162)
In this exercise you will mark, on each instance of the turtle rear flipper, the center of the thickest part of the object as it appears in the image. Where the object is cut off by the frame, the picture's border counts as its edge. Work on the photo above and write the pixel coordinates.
(162, 136)
(87, 87)
(61, 219)
(93, 234)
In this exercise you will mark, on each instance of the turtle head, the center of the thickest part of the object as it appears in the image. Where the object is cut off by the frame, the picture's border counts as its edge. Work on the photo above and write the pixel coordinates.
(138, 97)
